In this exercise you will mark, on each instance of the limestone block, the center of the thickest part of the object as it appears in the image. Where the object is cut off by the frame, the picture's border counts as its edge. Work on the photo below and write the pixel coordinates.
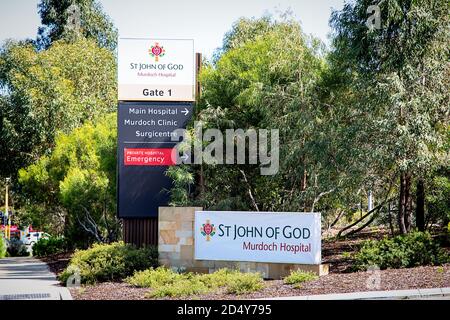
(226, 264)
(184, 234)
(164, 262)
(174, 256)
(187, 252)
(167, 225)
(197, 270)
(168, 237)
(263, 268)
(247, 266)
(164, 255)
(186, 262)
(166, 214)
(187, 226)
(168, 248)
(204, 263)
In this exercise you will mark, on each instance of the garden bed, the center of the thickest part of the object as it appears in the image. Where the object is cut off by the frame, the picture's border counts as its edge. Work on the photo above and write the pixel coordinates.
(391, 279)
(342, 278)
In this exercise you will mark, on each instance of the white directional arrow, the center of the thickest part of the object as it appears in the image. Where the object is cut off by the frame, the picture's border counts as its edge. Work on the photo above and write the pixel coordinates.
(185, 111)
(184, 157)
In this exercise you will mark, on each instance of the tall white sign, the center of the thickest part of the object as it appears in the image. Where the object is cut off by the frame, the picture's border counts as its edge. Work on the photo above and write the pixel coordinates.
(280, 237)
(156, 70)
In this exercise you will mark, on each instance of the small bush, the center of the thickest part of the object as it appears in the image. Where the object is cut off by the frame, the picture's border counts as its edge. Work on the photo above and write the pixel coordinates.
(298, 277)
(115, 261)
(218, 279)
(2, 246)
(16, 248)
(180, 288)
(153, 278)
(52, 245)
(245, 283)
(167, 283)
(404, 251)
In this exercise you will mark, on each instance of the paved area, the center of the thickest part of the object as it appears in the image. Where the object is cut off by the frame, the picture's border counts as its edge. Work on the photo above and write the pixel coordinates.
(416, 294)
(27, 278)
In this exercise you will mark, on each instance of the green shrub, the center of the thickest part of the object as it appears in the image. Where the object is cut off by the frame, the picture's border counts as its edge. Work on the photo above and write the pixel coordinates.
(404, 251)
(16, 248)
(298, 277)
(180, 288)
(167, 283)
(115, 261)
(245, 283)
(218, 279)
(2, 246)
(153, 278)
(52, 245)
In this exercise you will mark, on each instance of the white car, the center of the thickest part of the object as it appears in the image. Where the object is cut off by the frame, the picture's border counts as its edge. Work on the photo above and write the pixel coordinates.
(33, 237)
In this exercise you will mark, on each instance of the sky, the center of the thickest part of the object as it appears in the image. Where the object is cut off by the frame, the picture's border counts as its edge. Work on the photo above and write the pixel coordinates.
(205, 21)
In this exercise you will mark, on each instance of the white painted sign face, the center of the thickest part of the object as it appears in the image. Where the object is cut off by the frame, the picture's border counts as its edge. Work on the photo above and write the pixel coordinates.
(281, 237)
(156, 70)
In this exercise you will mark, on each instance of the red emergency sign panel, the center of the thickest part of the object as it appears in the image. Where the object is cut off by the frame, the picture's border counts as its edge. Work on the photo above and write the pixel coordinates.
(149, 157)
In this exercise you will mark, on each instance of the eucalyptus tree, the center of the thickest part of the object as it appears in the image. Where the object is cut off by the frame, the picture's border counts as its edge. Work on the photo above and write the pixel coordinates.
(53, 90)
(75, 184)
(72, 19)
(264, 76)
(399, 73)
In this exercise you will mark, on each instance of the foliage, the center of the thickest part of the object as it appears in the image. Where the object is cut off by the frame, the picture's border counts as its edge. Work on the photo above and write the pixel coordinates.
(167, 283)
(81, 172)
(2, 246)
(403, 251)
(115, 261)
(262, 64)
(438, 197)
(16, 248)
(58, 19)
(242, 283)
(49, 246)
(47, 92)
(297, 277)
(152, 278)
(181, 288)
(395, 96)
(182, 180)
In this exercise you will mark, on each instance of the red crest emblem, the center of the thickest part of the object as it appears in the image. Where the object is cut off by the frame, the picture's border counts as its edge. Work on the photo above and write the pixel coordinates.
(157, 51)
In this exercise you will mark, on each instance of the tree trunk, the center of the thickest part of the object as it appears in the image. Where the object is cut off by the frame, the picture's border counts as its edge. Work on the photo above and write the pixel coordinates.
(401, 205)
(408, 203)
(420, 205)
(391, 225)
(303, 183)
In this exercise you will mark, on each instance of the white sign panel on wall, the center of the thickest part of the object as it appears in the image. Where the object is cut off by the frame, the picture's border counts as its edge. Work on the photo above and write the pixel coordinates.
(156, 69)
(278, 237)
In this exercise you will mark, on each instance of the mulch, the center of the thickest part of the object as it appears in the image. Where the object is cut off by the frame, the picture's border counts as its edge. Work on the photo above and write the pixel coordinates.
(390, 279)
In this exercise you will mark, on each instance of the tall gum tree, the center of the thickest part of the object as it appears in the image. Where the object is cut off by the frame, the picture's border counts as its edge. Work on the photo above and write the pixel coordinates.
(400, 72)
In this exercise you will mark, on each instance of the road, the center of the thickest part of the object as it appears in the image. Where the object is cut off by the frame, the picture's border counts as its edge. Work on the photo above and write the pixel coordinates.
(27, 278)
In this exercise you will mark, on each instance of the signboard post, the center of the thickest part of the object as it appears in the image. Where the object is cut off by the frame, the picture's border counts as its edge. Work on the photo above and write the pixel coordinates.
(156, 92)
